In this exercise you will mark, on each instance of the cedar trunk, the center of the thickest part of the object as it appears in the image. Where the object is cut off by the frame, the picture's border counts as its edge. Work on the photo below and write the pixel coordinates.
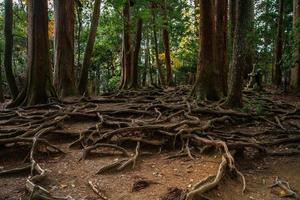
(38, 89)
(64, 76)
(234, 98)
(277, 67)
(221, 42)
(166, 42)
(8, 49)
(126, 52)
(1, 81)
(295, 72)
(83, 82)
(136, 53)
(207, 85)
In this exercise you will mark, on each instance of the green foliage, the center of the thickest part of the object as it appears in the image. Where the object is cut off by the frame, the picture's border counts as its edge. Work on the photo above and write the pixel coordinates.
(253, 106)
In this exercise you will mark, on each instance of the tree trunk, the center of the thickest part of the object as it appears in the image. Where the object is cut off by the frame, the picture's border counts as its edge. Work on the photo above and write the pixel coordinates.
(127, 54)
(64, 76)
(82, 87)
(234, 98)
(250, 48)
(38, 89)
(166, 42)
(295, 72)
(136, 53)
(1, 81)
(207, 85)
(232, 24)
(277, 67)
(221, 42)
(8, 49)
(156, 50)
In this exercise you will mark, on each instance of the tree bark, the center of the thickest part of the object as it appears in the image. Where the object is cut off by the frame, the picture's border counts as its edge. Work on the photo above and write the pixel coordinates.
(207, 85)
(277, 66)
(249, 47)
(295, 72)
(82, 87)
(8, 49)
(234, 98)
(166, 42)
(156, 50)
(64, 76)
(127, 54)
(38, 89)
(232, 19)
(221, 42)
(136, 53)
(1, 81)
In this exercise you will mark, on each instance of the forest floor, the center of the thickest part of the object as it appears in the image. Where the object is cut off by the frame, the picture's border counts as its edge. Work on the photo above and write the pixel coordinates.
(152, 144)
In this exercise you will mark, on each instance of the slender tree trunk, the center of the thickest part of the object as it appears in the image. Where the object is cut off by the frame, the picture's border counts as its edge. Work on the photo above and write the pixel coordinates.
(250, 48)
(277, 67)
(166, 42)
(1, 81)
(79, 27)
(232, 19)
(127, 54)
(64, 76)
(136, 53)
(295, 72)
(156, 50)
(207, 85)
(221, 42)
(38, 89)
(8, 49)
(82, 87)
(147, 58)
(234, 98)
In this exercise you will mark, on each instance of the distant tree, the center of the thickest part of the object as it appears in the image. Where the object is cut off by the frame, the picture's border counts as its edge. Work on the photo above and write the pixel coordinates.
(64, 76)
(38, 89)
(277, 66)
(295, 72)
(83, 82)
(8, 34)
(1, 81)
(207, 85)
(234, 98)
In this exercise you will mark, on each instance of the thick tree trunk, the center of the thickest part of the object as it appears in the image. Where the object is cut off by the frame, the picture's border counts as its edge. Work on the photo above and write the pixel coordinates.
(277, 67)
(166, 42)
(83, 82)
(295, 72)
(38, 89)
(207, 85)
(64, 76)
(8, 49)
(156, 49)
(221, 42)
(136, 53)
(234, 98)
(127, 54)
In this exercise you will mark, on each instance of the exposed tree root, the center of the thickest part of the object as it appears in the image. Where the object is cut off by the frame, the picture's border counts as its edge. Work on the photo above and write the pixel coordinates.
(159, 119)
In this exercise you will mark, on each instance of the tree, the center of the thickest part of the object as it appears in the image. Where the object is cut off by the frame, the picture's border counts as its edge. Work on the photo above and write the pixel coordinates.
(277, 67)
(166, 42)
(38, 89)
(234, 98)
(295, 72)
(232, 19)
(1, 81)
(8, 49)
(250, 46)
(83, 82)
(126, 49)
(64, 76)
(155, 41)
(207, 85)
(221, 42)
(136, 53)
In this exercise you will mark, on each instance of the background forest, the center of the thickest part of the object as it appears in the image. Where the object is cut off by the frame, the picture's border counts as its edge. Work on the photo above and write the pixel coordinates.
(180, 18)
